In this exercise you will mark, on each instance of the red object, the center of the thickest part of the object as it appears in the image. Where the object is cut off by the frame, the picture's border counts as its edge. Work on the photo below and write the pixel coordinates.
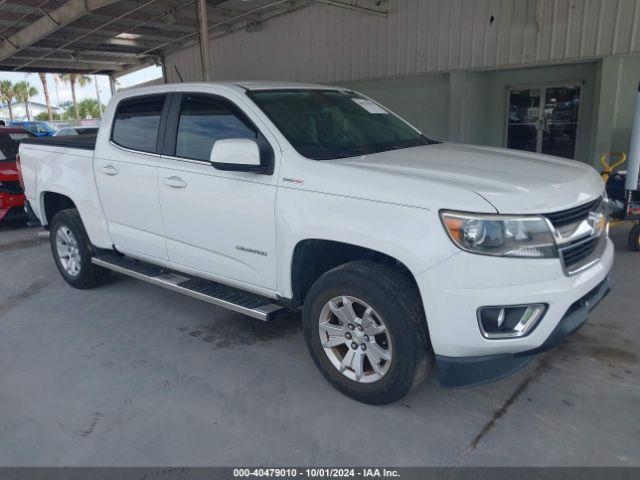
(11, 191)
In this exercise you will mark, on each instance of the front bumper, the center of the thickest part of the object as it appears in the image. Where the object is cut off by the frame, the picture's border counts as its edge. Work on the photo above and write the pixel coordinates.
(469, 371)
(454, 290)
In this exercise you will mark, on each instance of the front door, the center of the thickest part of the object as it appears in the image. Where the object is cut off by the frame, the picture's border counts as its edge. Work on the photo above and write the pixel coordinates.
(544, 120)
(219, 223)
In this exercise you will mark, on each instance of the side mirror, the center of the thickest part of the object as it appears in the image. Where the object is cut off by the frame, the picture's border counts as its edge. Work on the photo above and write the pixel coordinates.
(236, 155)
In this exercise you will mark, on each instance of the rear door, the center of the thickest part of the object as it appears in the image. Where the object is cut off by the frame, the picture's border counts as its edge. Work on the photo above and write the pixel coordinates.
(126, 172)
(220, 223)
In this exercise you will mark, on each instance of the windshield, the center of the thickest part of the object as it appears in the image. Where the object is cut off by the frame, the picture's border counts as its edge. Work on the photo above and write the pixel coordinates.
(9, 145)
(330, 124)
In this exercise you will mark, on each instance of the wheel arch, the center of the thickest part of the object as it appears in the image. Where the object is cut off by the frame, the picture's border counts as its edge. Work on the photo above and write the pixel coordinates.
(312, 257)
(52, 202)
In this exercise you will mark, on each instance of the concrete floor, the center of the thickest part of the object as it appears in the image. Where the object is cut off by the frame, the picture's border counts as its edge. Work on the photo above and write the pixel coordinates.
(130, 374)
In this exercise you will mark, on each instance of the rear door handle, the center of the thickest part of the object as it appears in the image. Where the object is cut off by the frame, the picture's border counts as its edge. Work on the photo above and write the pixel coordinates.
(175, 182)
(110, 170)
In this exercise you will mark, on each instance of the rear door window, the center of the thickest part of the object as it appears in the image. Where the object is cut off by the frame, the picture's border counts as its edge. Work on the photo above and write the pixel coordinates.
(137, 122)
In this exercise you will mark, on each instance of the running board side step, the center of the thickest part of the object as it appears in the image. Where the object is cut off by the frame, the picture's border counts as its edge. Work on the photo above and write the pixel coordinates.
(215, 293)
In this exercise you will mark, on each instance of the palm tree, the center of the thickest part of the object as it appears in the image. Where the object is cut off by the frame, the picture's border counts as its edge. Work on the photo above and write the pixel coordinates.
(24, 91)
(90, 108)
(73, 79)
(7, 94)
(45, 90)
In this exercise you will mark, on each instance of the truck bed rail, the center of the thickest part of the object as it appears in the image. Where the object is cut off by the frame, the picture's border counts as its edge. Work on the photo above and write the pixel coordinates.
(83, 142)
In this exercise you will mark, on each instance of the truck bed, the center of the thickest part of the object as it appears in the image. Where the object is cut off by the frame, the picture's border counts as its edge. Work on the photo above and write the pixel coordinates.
(83, 142)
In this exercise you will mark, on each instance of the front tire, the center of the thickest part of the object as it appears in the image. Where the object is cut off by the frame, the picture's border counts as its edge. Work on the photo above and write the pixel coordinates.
(72, 251)
(365, 329)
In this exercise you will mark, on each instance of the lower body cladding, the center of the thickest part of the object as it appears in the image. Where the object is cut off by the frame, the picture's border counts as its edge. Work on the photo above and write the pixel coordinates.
(457, 291)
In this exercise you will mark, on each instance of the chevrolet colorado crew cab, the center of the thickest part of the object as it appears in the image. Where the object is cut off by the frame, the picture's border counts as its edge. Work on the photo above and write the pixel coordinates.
(405, 255)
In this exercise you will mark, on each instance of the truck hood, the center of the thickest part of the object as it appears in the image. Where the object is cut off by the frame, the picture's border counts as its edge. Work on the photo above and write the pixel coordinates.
(512, 181)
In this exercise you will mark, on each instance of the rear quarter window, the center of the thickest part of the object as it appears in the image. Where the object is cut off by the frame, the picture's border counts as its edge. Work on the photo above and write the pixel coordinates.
(137, 122)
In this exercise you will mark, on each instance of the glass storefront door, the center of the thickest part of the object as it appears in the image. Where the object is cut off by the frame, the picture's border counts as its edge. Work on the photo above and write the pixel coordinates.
(544, 120)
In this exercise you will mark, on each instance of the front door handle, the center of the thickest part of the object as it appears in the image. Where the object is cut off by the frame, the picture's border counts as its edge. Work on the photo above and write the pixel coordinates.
(175, 182)
(110, 170)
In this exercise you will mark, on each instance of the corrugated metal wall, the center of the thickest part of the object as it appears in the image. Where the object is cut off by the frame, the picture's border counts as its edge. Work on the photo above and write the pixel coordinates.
(328, 44)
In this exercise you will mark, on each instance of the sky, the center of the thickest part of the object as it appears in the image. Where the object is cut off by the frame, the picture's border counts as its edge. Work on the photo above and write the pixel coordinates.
(63, 91)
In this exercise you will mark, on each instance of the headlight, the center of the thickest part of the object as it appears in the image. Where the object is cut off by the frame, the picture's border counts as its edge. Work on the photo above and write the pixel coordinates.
(500, 235)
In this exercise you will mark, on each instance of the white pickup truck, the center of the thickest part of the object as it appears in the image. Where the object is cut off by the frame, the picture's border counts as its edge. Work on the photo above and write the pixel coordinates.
(405, 255)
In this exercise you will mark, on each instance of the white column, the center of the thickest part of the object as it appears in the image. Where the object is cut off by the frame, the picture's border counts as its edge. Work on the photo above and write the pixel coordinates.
(633, 167)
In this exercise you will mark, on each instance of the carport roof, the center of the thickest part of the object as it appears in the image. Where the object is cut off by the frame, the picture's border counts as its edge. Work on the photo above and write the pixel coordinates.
(114, 36)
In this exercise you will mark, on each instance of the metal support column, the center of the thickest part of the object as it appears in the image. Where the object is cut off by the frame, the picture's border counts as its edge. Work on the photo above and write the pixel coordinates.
(203, 32)
(163, 66)
(112, 84)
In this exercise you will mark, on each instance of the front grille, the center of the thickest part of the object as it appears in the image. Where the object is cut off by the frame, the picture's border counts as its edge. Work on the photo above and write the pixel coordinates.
(576, 254)
(12, 187)
(572, 215)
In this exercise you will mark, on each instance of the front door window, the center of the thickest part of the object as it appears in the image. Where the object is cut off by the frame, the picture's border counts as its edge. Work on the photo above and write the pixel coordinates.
(544, 120)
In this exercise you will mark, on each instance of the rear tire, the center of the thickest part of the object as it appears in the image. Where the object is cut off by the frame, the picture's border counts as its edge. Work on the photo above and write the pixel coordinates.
(634, 239)
(369, 291)
(72, 251)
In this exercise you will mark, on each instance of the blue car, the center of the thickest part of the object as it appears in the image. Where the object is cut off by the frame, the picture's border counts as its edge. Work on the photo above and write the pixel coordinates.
(39, 129)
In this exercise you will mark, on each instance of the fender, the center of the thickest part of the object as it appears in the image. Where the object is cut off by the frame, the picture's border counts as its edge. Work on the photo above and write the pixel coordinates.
(406, 234)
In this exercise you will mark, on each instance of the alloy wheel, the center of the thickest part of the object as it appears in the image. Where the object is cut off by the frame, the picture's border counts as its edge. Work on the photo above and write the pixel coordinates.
(68, 251)
(355, 339)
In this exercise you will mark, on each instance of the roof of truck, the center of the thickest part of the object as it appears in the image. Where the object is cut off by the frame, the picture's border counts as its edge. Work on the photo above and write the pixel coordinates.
(244, 85)
(238, 87)
(284, 86)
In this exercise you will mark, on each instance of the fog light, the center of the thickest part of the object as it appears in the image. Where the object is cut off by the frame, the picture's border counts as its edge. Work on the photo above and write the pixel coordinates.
(509, 321)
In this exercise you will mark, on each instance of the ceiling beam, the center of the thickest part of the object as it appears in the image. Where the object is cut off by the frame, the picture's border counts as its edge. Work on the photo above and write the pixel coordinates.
(84, 59)
(54, 65)
(37, 51)
(45, 25)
